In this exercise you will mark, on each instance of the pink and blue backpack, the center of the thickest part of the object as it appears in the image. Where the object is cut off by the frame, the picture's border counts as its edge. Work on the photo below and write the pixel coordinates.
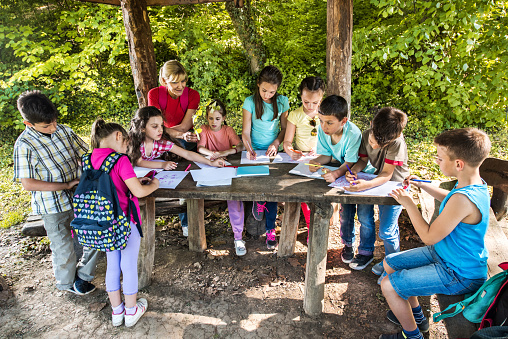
(99, 221)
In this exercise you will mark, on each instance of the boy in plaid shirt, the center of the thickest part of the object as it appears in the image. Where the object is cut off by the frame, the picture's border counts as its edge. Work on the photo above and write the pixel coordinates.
(47, 162)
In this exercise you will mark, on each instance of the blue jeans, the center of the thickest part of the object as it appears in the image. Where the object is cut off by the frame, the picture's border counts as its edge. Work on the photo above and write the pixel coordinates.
(388, 227)
(421, 272)
(270, 214)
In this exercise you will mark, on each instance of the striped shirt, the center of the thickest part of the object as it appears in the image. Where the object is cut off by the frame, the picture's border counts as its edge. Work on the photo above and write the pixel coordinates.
(159, 147)
(54, 158)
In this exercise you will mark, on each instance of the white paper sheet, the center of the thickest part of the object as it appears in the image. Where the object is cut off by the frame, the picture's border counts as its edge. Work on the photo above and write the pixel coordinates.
(213, 174)
(223, 182)
(304, 170)
(170, 179)
(380, 191)
(261, 158)
(142, 171)
(285, 158)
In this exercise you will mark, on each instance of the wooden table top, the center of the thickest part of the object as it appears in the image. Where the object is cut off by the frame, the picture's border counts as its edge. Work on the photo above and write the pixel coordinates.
(278, 186)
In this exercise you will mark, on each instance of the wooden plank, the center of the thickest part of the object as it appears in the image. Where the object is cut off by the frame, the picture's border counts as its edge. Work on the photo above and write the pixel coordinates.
(141, 51)
(238, 3)
(289, 229)
(146, 255)
(315, 271)
(339, 47)
(196, 218)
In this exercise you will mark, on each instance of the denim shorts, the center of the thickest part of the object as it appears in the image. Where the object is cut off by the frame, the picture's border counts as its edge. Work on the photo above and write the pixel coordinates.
(421, 272)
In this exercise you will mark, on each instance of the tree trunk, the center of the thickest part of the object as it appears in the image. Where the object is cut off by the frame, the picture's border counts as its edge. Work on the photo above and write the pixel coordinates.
(245, 25)
(141, 51)
(339, 46)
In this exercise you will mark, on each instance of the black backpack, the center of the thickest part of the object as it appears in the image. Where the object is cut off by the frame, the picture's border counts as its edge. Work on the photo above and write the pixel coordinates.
(99, 221)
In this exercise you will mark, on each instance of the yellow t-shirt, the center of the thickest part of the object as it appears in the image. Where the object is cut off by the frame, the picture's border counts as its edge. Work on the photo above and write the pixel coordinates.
(303, 139)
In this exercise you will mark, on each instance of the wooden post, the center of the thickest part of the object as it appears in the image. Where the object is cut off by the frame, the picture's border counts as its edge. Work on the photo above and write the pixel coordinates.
(196, 218)
(147, 248)
(289, 229)
(315, 271)
(141, 51)
(338, 47)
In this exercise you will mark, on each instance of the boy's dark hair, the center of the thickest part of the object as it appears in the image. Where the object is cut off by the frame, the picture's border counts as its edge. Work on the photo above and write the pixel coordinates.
(468, 144)
(312, 84)
(102, 129)
(36, 108)
(387, 125)
(271, 75)
(334, 105)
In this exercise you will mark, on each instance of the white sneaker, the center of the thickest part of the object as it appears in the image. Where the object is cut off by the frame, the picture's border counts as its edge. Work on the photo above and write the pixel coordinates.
(240, 248)
(117, 318)
(141, 306)
(185, 231)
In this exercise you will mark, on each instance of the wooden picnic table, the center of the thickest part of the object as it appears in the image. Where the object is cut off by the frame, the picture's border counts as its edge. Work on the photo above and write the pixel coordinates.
(279, 186)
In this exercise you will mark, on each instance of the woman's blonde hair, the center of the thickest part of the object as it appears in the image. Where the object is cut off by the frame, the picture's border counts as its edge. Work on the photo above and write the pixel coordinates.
(172, 71)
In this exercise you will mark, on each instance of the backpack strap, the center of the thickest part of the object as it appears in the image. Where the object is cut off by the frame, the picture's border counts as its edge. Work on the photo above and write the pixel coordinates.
(184, 100)
(86, 162)
(163, 98)
(110, 161)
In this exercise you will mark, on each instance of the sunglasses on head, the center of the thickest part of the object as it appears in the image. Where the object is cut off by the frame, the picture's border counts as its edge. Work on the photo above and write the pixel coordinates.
(313, 123)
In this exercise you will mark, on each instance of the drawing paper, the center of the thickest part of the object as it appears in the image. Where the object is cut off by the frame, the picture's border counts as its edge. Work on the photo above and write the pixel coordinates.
(304, 170)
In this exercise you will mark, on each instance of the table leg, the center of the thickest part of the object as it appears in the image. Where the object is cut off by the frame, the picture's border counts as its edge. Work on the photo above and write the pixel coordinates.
(289, 229)
(147, 247)
(196, 218)
(315, 271)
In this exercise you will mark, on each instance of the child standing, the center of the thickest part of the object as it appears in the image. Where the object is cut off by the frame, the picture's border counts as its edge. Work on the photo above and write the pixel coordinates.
(218, 140)
(455, 258)
(264, 126)
(382, 146)
(340, 139)
(147, 143)
(107, 138)
(47, 162)
(302, 125)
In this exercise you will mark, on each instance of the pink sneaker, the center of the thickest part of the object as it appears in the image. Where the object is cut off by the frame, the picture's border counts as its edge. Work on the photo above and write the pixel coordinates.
(258, 210)
(271, 240)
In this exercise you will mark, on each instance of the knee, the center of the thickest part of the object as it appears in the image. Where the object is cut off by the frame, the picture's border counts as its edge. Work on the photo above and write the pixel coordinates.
(387, 267)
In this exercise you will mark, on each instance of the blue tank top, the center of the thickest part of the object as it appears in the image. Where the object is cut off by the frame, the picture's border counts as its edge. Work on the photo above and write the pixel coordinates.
(463, 250)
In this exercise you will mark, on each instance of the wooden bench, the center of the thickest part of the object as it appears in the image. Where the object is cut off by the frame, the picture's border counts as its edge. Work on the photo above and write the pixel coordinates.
(495, 173)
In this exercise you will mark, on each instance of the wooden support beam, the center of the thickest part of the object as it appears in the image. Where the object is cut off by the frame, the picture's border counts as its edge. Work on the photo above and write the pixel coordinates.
(196, 219)
(338, 47)
(146, 255)
(289, 229)
(141, 51)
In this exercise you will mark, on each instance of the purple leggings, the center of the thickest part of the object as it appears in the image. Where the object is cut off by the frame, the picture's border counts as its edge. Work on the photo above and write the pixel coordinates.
(124, 262)
(236, 216)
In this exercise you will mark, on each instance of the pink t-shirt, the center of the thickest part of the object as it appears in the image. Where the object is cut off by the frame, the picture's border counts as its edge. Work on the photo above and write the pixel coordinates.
(173, 112)
(159, 147)
(121, 171)
(218, 141)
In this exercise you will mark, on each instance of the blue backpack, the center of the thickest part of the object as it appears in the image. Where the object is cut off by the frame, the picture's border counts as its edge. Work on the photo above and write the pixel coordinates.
(99, 221)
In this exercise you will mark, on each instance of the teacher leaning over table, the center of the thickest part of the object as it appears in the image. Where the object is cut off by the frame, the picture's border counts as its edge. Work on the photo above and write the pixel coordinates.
(178, 104)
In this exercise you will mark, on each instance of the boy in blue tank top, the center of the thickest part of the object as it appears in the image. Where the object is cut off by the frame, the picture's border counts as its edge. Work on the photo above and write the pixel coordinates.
(455, 258)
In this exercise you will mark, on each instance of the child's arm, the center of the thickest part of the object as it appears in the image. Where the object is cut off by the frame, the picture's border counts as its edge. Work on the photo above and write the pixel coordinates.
(193, 156)
(205, 151)
(362, 185)
(274, 146)
(457, 209)
(246, 129)
(140, 190)
(331, 176)
(288, 141)
(30, 184)
(321, 160)
(165, 165)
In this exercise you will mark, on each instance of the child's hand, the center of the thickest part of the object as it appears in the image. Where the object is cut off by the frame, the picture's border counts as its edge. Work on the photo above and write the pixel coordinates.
(144, 180)
(357, 185)
(169, 165)
(272, 150)
(218, 162)
(329, 176)
(190, 137)
(313, 169)
(312, 152)
(251, 156)
(214, 156)
(294, 154)
(72, 183)
(351, 177)
(408, 181)
(402, 196)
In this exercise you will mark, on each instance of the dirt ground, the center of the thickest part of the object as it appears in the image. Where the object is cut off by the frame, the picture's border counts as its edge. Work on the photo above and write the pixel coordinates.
(214, 294)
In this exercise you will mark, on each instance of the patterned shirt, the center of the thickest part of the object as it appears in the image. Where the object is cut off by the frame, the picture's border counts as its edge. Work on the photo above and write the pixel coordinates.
(159, 147)
(50, 158)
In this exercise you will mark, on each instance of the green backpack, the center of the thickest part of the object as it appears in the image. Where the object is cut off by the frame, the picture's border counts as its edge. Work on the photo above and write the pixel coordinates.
(474, 307)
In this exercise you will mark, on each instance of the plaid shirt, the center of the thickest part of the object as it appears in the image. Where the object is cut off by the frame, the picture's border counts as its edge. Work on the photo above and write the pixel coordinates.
(159, 147)
(55, 158)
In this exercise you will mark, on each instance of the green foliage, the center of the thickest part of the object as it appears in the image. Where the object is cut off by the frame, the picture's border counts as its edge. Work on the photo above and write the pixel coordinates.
(12, 218)
(442, 61)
